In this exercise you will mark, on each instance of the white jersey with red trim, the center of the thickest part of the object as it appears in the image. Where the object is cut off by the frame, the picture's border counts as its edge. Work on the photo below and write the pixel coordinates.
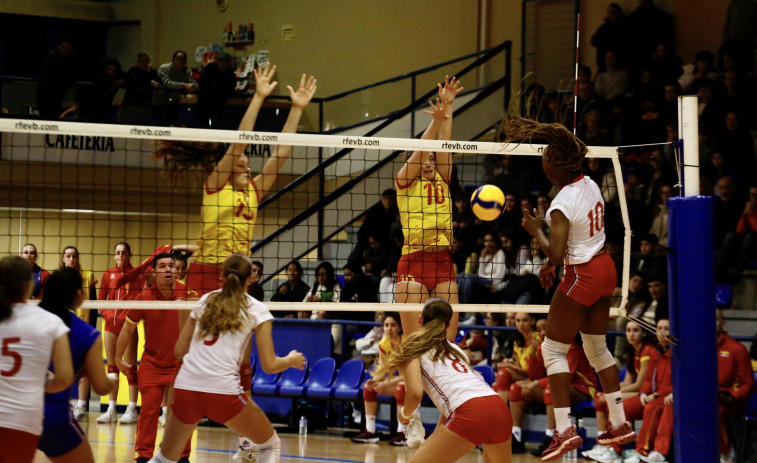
(450, 382)
(581, 202)
(212, 364)
(27, 339)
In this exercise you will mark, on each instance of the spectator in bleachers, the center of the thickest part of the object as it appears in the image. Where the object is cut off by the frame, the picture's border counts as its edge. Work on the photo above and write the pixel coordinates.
(613, 35)
(648, 27)
(703, 67)
(378, 222)
(254, 289)
(510, 219)
(391, 384)
(738, 99)
(141, 82)
(367, 347)
(59, 71)
(655, 403)
(326, 289)
(357, 288)
(638, 299)
(475, 346)
(39, 275)
(736, 145)
(375, 258)
(489, 278)
(715, 168)
(740, 246)
(217, 84)
(612, 79)
(463, 219)
(502, 341)
(659, 226)
(588, 100)
(601, 171)
(668, 106)
(735, 383)
(711, 104)
(292, 290)
(176, 78)
(728, 209)
(592, 133)
(639, 350)
(658, 305)
(508, 174)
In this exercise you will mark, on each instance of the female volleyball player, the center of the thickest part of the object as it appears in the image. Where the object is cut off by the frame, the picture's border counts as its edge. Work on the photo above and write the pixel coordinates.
(425, 268)
(582, 300)
(231, 194)
(31, 339)
(472, 413)
(211, 345)
(62, 439)
(390, 384)
(113, 322)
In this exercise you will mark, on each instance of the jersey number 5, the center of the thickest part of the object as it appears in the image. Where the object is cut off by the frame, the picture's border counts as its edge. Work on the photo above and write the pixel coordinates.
(14, 355)
(596, 219)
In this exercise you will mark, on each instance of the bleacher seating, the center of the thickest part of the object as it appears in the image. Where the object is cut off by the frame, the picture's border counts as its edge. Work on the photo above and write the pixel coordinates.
(321, 375)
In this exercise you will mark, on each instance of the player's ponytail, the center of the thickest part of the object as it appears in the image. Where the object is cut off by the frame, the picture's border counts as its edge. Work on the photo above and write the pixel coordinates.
(226, 310)
(184, 156)
(15, 274)
(437, 314)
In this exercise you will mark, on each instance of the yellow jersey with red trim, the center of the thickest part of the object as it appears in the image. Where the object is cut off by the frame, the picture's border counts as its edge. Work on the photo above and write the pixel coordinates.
(425, 213)
(228, 220)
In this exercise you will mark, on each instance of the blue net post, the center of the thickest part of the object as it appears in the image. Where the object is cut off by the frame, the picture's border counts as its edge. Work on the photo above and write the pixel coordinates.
(691, 284)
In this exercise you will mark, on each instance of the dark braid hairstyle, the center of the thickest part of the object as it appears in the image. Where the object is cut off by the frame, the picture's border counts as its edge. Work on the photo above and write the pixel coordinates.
(186, 156)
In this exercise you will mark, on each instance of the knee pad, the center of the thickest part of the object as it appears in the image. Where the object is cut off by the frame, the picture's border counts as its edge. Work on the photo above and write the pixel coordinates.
(595, 347)
(245, 376)
(112, 369)
(270, 450)
(132, 377)
(399, 394)
(503, 379)
(516, 393)
(369, 395)
(555, 356)
(547, 396)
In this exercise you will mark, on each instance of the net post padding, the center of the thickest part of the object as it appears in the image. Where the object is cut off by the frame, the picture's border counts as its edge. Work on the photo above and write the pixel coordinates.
(691, 295)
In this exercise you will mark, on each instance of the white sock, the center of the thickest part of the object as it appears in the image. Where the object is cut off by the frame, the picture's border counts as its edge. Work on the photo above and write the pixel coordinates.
(245, 442)
(112, 405)
(549, 432)
(132, 405)
(165, 410)
(81, 403)
(270, 450)
(562, 418)
(401, 427)
(370, 423)
(516, 432)
(159, 458)
(615, 406)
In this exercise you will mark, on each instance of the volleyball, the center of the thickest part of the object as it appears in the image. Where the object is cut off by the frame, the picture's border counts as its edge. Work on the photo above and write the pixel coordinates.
(487, 202)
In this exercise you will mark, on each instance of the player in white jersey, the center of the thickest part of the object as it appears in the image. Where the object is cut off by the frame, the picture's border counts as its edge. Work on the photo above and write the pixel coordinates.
(212, 344)
(472, 413)
(582, 300)
(31, 337)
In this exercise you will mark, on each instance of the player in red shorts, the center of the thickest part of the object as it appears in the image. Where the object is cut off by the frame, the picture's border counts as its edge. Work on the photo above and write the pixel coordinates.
(213, 341)
(158, 364)
(471, 412)
(582, 300)
(113, 321)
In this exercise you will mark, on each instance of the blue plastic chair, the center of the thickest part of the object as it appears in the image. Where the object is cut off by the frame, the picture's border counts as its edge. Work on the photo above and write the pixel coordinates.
(290, 377)
(346, 385)
(263, 383)
(321, 374)
(487, 372)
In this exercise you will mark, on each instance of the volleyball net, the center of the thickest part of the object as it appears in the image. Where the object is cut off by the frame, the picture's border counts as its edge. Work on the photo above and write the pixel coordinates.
(92, 186)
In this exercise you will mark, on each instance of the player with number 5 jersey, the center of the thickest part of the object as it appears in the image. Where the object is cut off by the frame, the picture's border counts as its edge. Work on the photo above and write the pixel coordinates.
(582, 300)
(472, 413)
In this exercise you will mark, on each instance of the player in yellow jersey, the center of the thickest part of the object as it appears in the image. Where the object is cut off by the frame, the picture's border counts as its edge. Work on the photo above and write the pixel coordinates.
(231, 194)
(425, 268)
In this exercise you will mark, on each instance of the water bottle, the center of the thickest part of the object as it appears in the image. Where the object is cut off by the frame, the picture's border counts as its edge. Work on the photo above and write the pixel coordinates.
(303, 426)
(581, 431)
(570, 456)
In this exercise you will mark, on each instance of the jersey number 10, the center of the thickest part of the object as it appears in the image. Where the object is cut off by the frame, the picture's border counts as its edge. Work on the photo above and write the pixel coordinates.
(596, 219)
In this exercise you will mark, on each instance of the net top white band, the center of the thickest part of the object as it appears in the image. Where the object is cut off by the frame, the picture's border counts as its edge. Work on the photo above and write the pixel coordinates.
(274, 138)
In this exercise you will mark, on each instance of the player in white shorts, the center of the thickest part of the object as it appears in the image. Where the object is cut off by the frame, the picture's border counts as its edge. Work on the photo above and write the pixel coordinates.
(472, 413)
(211, 346)
(31, 337)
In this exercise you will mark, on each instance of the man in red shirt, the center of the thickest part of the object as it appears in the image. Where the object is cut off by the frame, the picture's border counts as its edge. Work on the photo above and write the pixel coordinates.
(735, 381)
(158, 364)
(113, 321)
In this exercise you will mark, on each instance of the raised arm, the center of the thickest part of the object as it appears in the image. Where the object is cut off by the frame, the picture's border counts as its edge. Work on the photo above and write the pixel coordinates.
(447, 94)
(300, 99)
(264, 86)
(412, 167)
(268, 360)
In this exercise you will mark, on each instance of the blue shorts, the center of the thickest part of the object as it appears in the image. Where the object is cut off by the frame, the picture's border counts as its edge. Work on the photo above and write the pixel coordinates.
(60, 438)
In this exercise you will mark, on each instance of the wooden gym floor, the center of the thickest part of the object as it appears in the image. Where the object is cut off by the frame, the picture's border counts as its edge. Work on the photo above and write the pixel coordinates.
(114, 443)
